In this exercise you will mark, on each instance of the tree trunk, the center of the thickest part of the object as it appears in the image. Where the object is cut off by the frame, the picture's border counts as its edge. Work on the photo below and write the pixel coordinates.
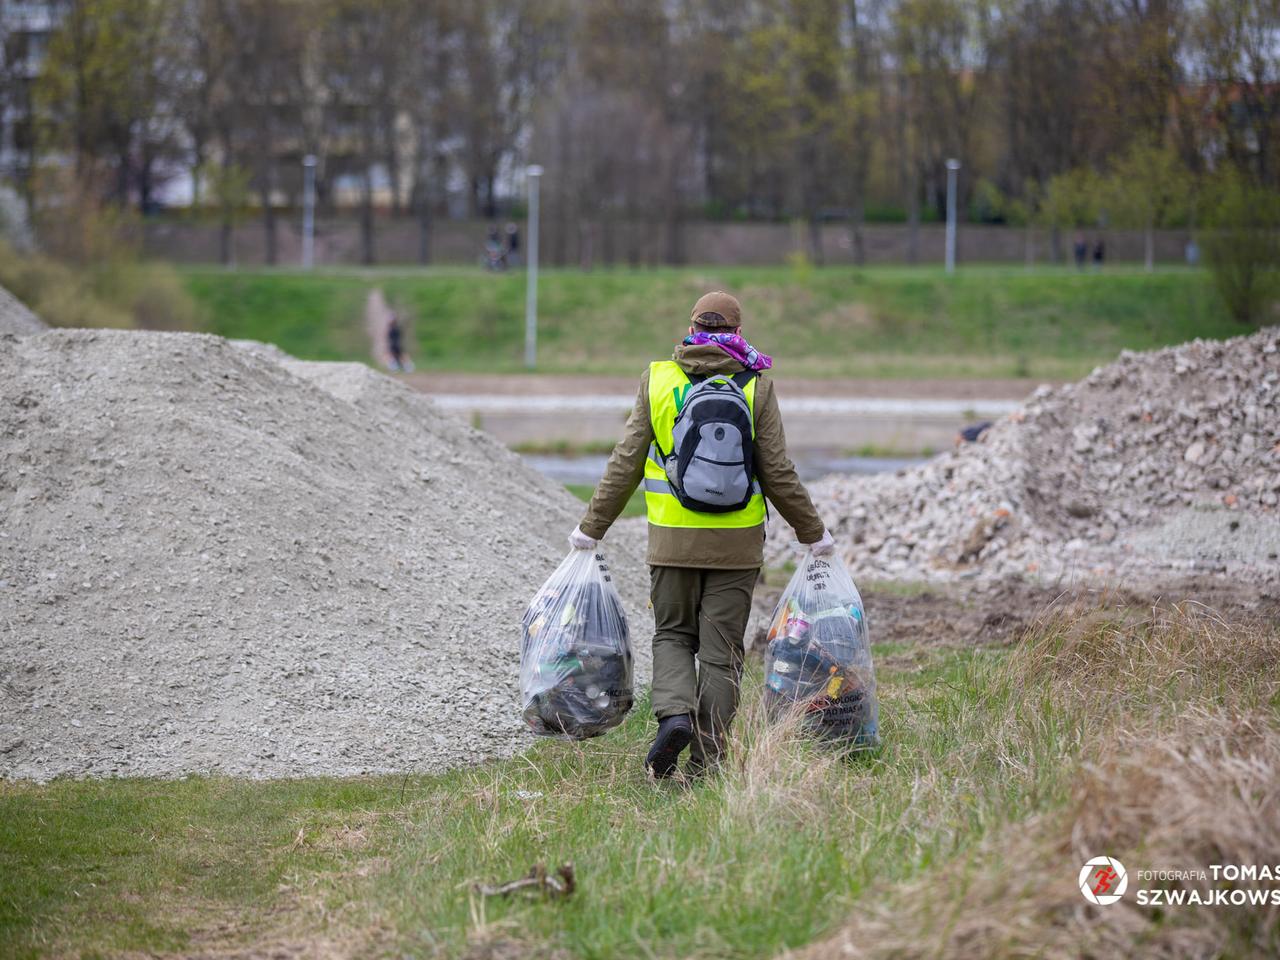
(490, 200)
(1149, 247)
(913, 219)
(424, 235)
(815, 239)
(424, 224)
(859, 217)
(585, 232)
(225, 237)
(906, 174)
(638, 229)
(393, 167)
(559, 234)
(675, 237)
(606, 238)
(268, 224)
(862, 141)
(122, 176)
(420, 194)
(1055, 244)
(198, 150)
(366, 217)
(1029, 244)
(145, 172)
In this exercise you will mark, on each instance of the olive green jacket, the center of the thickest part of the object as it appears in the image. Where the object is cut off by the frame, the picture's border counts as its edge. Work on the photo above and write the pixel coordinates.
(721, 549)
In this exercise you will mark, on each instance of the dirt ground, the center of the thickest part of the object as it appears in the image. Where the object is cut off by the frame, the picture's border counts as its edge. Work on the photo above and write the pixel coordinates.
(377, 317)
(914, 620)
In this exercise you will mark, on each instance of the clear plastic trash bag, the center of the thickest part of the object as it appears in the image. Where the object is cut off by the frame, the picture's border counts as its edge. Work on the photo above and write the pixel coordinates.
(818, 661)
(575, 652)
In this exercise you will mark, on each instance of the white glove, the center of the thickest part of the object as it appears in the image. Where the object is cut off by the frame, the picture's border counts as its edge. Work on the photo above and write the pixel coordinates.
(823, 546)
(580, 541)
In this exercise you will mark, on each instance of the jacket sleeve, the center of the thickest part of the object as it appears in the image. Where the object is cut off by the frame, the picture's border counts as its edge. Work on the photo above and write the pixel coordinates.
(777, 474)
(625, 469)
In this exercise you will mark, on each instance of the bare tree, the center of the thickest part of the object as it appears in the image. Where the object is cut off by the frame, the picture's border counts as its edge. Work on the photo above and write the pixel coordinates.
(269, 39)
(1236, 50)
(428, 98)
(863, 78)
(362, 60)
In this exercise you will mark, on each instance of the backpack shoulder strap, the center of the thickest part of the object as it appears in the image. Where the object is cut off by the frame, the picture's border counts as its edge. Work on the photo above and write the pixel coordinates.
(696, 378)
(743, 378)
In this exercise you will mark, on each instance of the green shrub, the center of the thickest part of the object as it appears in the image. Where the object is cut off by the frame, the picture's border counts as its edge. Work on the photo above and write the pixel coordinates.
(120, 294)
(1242, 246)
(153, 294)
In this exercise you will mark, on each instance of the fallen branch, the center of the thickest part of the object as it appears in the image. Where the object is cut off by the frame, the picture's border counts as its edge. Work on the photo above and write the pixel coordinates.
(558, 885)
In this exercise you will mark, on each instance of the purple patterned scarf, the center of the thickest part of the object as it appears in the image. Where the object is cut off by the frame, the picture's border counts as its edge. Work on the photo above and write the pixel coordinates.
(735, 346)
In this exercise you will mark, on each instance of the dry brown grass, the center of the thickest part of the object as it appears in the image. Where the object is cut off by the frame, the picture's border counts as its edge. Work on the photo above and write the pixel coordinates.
(1151, 736)
(1182, 771)
(1181, 647)
(772, 773)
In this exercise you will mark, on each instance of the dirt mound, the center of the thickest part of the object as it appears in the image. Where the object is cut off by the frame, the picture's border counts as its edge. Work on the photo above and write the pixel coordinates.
(1161, 462)
(215, 558)
(16, 318)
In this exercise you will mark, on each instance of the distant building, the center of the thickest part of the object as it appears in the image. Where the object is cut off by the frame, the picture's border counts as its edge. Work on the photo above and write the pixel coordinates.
(25, 29)
(322, 118)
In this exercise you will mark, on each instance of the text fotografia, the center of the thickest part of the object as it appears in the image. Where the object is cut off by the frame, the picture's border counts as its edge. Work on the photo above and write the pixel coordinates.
(1216, 897)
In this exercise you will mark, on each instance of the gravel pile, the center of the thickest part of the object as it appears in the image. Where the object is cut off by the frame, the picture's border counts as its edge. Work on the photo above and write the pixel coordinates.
(1162, 462)
(16, 318)
(217, 558)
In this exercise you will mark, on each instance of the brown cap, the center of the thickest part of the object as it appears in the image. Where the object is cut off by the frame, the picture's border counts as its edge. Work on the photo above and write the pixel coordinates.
(727, 309)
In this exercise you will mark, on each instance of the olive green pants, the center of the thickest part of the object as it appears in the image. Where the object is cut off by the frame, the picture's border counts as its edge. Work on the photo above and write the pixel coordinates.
(699, 617)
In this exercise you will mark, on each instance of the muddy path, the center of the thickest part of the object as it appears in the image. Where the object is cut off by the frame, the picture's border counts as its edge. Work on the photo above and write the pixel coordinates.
(377, 317)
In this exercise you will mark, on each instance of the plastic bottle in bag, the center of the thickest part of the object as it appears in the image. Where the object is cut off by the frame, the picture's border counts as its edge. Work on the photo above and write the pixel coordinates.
(818, 661)
(575, 652)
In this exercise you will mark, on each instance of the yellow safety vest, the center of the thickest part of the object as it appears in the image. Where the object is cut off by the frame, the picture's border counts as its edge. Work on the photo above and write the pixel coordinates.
(668, 385)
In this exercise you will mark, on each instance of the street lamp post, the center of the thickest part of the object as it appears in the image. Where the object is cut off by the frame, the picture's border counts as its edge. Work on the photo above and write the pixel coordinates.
(308, 210)
(953, 166)
(534, 173)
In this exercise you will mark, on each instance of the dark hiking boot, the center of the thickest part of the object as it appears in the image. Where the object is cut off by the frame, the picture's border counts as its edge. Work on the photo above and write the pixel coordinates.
(674, 734)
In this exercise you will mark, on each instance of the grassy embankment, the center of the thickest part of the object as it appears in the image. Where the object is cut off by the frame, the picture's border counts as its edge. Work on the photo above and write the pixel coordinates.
(635, 506)
(1157, 742)
(878, 322)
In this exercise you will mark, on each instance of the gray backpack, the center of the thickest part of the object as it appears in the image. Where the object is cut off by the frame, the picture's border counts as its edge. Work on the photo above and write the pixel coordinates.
(710, 465)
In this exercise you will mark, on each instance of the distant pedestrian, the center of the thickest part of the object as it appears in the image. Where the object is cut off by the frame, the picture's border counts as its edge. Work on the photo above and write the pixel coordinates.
(1099, 253)
(513, 245)
(495, 254)
(1081, 249)
(395, 343)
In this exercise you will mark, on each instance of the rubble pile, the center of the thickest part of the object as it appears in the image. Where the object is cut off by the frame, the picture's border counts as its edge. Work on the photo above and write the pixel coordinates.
(16, 318)
(1166, 461)
(218, 558)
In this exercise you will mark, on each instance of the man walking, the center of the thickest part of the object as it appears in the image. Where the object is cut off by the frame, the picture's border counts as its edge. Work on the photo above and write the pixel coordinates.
(706, 439)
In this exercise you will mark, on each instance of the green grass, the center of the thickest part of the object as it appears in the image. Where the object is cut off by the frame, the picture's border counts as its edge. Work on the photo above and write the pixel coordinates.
(312, 317)
(878, 322)
(635, 506)
(775, 852)
(143, 864)
(878, 450)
